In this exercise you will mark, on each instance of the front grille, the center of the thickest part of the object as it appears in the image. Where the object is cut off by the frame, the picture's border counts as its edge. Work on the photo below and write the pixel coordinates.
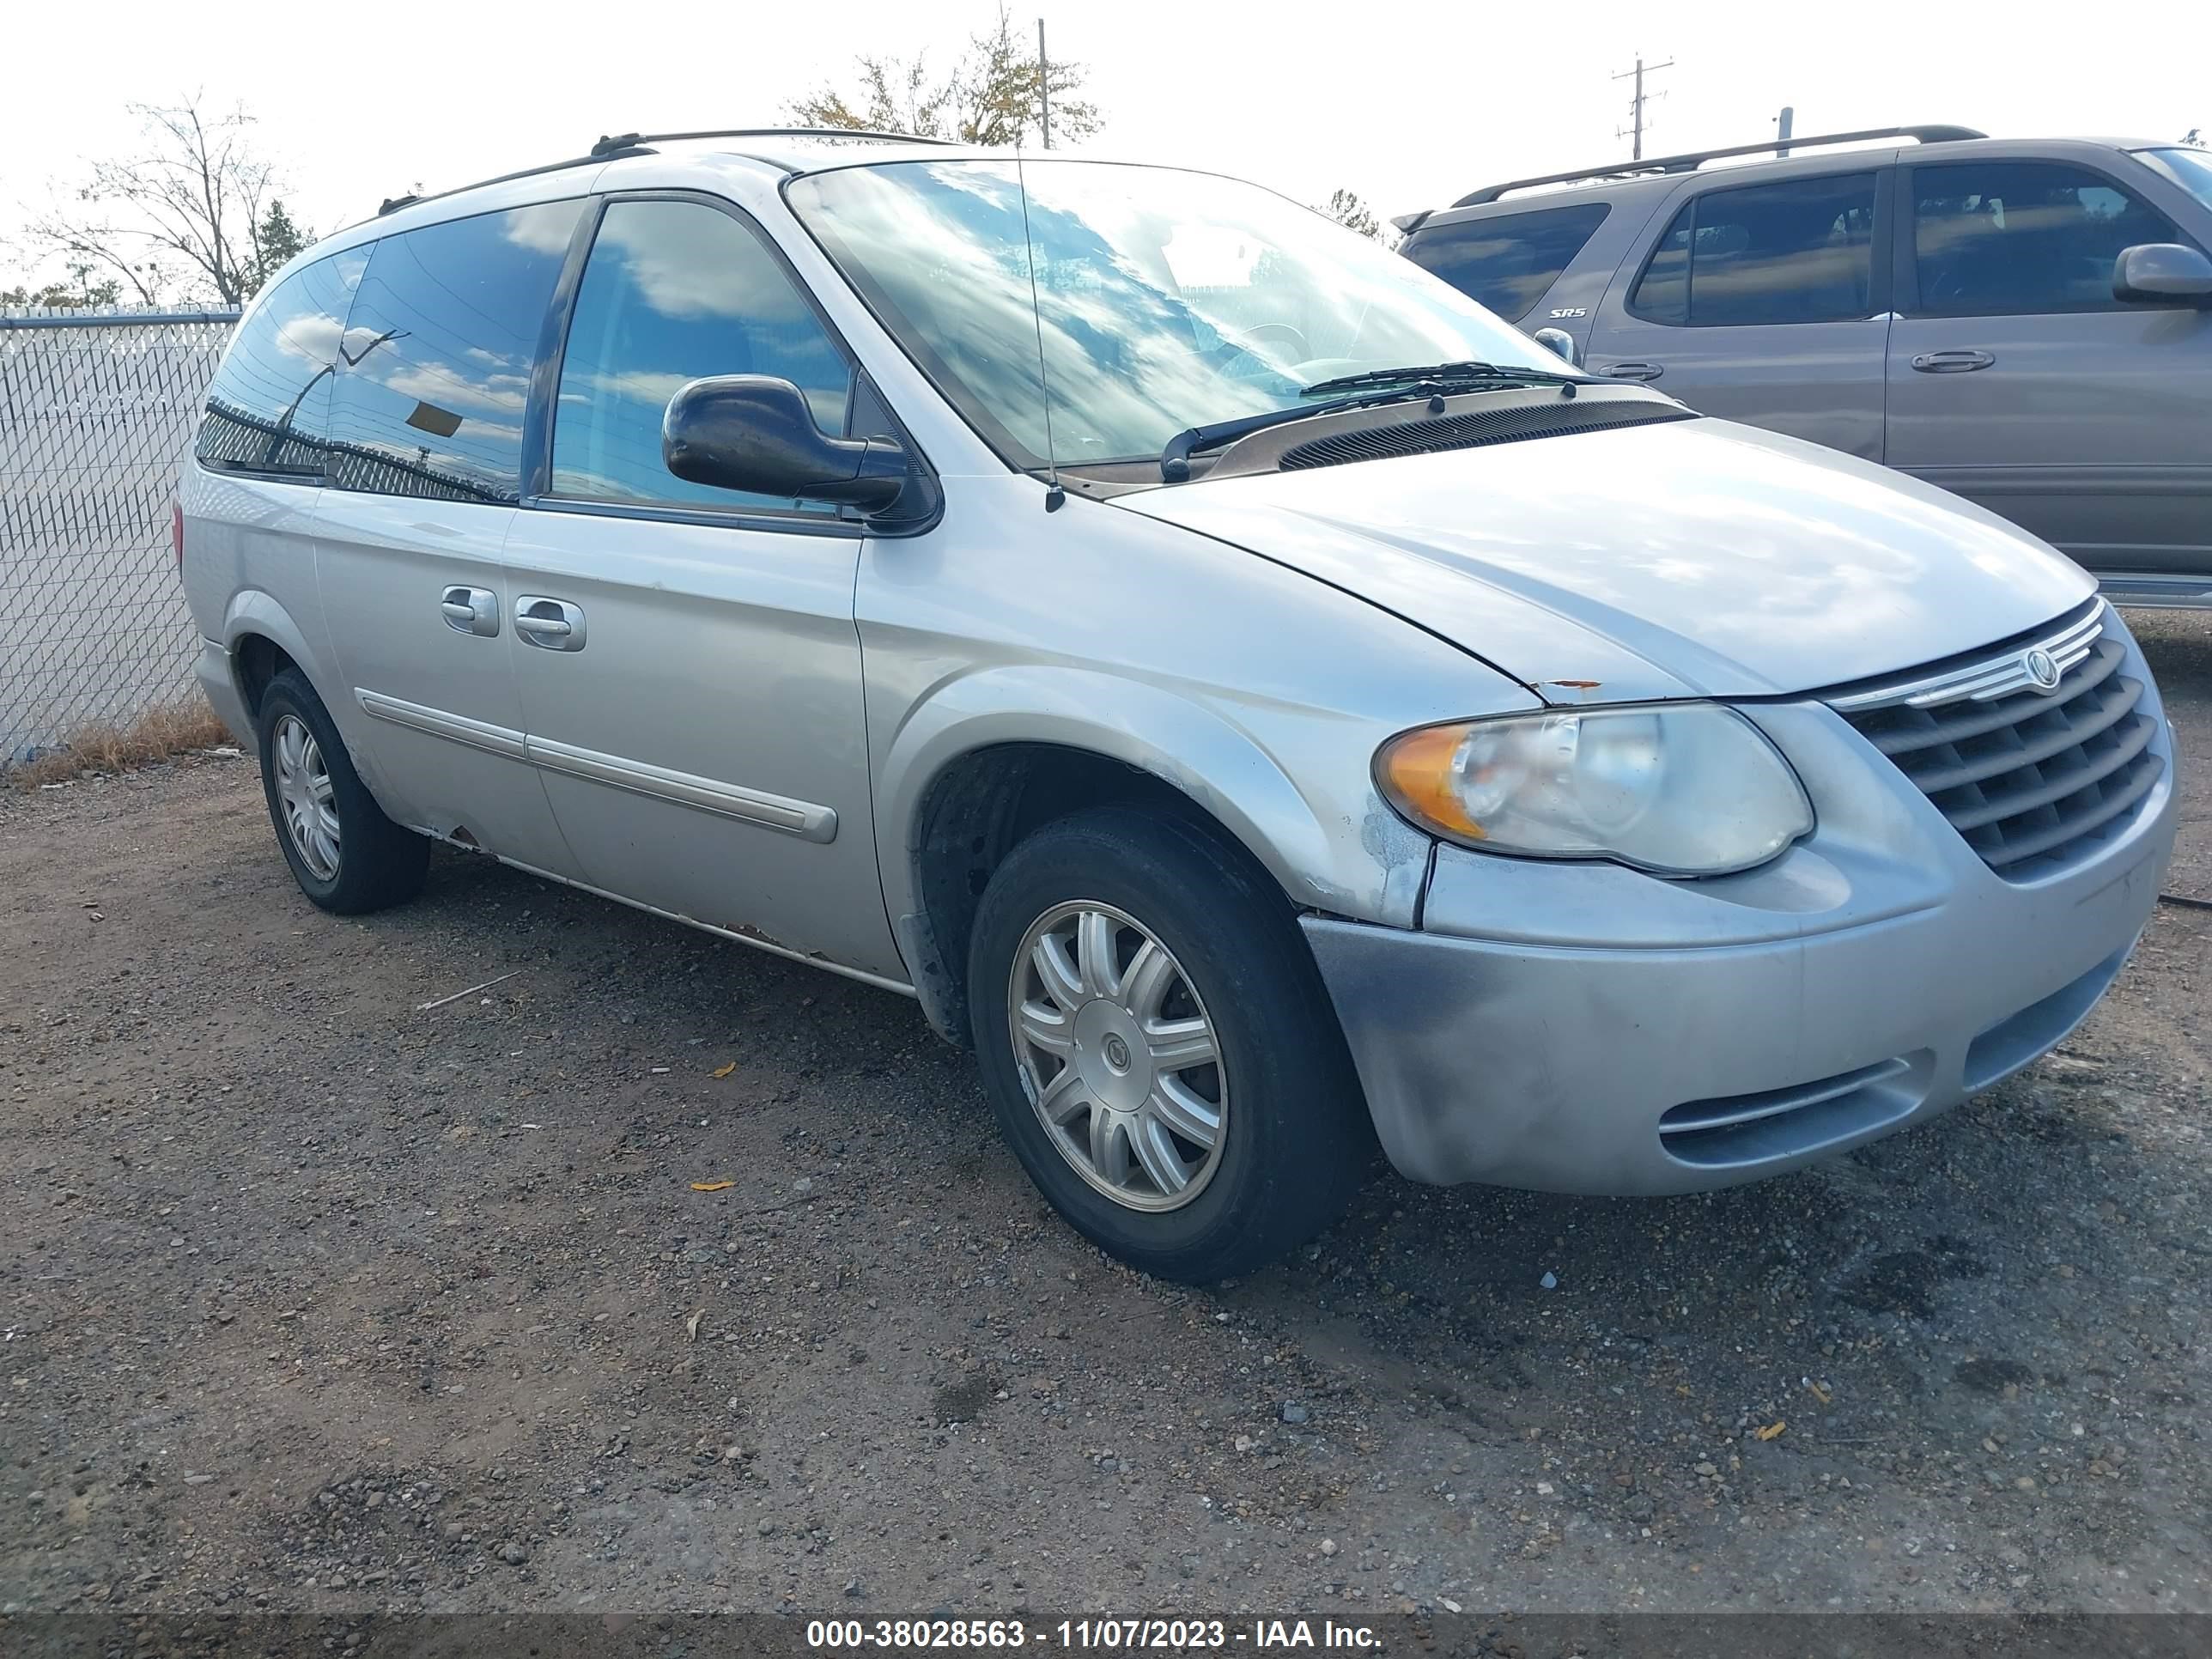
(2033, 779)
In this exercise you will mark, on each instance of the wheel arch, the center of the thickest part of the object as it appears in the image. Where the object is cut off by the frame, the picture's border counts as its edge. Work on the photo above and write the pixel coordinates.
(993, 756)
(262, 640)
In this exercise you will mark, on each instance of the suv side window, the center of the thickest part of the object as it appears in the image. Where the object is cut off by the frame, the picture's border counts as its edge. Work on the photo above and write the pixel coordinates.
(676, 291)
(1510, 263)
(1801, 250)
(268, 408)
(438, 355)
(1993, 239)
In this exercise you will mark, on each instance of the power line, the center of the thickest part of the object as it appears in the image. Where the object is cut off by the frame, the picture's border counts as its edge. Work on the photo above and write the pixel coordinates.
(1637, 123)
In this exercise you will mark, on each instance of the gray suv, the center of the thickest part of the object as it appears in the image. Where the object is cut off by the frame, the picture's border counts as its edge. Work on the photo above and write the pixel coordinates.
(2022, 322)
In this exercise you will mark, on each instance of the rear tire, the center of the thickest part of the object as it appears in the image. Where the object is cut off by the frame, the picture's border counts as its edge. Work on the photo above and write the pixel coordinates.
(347, 856)
(1194, 1111)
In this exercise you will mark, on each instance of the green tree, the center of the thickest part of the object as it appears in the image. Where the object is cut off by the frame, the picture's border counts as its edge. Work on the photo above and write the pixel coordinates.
(1353, 214)
(188, 214)
(991, 95)
(79, 293)
(277, 238)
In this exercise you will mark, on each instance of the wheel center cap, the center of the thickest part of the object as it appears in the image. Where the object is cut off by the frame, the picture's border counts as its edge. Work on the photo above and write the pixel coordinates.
(1110, 1056)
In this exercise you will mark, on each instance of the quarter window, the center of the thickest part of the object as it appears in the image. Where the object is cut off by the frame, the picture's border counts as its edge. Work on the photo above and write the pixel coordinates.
(2004, 237)
(1797, 251)
(268, 408)
(437, 356)
(676, 291)
(1510, 263)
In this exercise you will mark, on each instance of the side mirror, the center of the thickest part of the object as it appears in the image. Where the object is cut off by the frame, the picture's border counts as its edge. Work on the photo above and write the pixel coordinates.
(1557, 340)
(2162, 271)
(756, 432)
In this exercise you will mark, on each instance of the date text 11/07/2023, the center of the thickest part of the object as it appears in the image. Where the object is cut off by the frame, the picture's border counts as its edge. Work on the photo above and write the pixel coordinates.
(1169, 1635)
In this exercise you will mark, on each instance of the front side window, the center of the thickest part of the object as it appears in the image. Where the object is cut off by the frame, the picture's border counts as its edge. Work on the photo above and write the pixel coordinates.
(1798, 252)
(1508, 263)
(2008, 238)
(437, 356)
(675, 291)
(268, 408)
(1164, 299)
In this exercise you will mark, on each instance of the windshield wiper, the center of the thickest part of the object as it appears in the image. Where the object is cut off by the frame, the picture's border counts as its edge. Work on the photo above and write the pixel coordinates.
(1426, 375)
(1390, 385)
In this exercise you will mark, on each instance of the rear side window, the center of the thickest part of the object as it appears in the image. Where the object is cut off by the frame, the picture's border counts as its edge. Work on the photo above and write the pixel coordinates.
(1508, 263)
(1797, 251)
(268, 408)
(2004, 237)
(438, 353)
(675, 291)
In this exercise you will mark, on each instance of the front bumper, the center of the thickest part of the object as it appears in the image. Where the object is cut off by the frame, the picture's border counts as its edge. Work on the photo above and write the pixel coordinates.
(1581, 1027)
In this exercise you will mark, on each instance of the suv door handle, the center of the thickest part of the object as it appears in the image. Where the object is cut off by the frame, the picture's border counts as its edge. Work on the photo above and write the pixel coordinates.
(1633, 371)
(471, 611)
(1951, 362)
(549, 624)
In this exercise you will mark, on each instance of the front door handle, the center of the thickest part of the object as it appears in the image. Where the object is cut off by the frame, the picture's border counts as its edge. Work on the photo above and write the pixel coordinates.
(471, 611)
(549, 624)
(1951, 362)
(1633, 371)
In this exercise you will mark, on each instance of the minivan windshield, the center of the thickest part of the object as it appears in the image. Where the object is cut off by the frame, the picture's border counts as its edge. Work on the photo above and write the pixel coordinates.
(2189, 168)
(1165, 299)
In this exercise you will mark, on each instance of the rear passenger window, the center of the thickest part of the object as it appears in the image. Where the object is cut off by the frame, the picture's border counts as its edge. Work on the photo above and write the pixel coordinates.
(1999, 238)
(268, 408)
(1799, 251)
(1510, 263)
(676, 291)
(438, 353)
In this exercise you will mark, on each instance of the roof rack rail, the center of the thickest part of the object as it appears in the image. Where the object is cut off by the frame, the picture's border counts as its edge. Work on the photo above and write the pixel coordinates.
(621, 141)
(392, 204)
(1690, 161)
(626, 143)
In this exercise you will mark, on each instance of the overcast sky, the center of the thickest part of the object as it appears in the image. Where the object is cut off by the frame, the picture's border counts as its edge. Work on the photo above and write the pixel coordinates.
(1407, 104)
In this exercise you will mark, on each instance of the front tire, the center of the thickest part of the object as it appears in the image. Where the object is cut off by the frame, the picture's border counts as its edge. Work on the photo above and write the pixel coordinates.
(347, 856)
(1159, 1049)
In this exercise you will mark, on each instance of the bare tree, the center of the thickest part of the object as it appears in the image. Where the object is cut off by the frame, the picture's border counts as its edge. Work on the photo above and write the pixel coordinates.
(991, 95)
(1348, 210)
(196, 211)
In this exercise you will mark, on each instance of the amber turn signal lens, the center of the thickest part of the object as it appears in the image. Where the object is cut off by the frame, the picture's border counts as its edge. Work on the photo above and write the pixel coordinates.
(1417, 769)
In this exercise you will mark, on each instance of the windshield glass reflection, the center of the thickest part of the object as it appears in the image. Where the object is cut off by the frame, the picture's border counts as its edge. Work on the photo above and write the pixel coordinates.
(1167, 299)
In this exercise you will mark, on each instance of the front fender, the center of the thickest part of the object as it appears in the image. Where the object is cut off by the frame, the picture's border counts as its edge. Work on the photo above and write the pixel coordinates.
(1348, 855)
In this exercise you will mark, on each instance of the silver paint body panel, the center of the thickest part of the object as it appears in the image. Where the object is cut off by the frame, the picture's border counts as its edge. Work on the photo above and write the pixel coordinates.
(746, 737)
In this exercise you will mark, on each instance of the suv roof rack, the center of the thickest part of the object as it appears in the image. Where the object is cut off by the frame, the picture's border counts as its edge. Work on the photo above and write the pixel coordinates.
(1690, 161)
(627, 144)
(621, 141)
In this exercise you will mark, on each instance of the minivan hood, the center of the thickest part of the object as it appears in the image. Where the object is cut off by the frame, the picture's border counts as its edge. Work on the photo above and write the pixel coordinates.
(1696, 558)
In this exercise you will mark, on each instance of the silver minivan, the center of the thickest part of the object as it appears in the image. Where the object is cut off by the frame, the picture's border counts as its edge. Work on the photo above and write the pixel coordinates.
(1258, 700)
(2028, 322)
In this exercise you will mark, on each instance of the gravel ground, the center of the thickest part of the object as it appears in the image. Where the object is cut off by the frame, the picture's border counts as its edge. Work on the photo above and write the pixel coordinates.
(316, 1299)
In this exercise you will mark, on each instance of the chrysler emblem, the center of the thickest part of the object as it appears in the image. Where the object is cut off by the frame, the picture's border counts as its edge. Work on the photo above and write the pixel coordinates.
(2042, 668)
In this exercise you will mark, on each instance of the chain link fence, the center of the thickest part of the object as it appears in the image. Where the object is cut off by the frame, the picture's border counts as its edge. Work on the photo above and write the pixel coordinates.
(97, 410)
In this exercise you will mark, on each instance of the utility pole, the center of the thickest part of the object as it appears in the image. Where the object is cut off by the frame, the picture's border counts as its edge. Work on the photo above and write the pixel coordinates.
(1636, 104)
(1044, 85)
(1783, 123)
